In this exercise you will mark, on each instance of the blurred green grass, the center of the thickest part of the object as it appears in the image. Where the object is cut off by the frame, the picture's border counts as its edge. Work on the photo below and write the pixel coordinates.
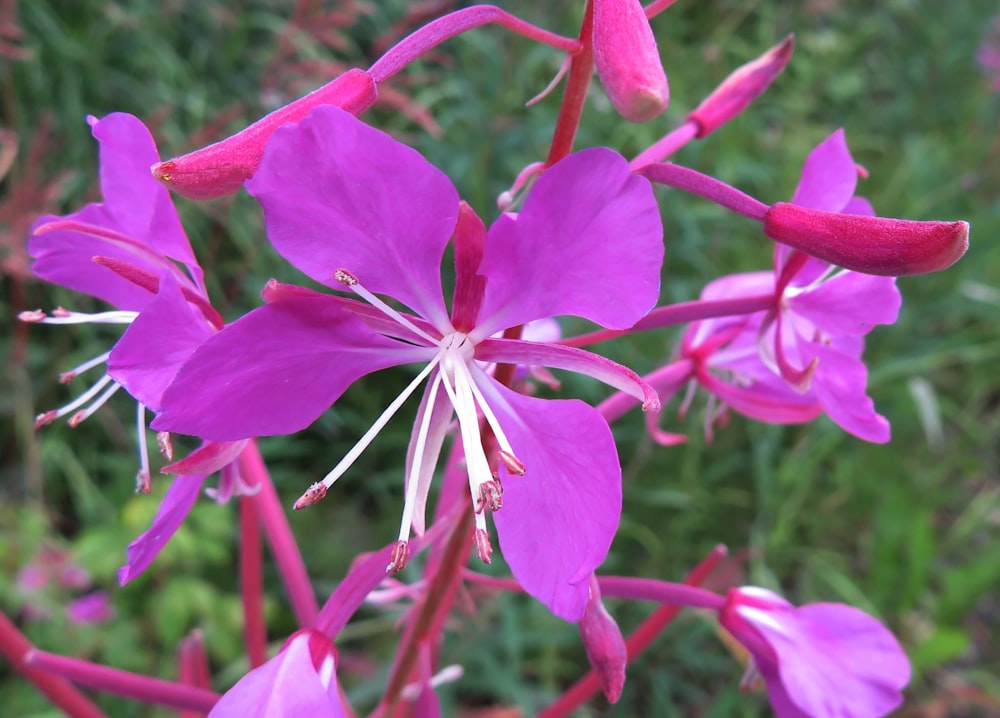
(909, 531)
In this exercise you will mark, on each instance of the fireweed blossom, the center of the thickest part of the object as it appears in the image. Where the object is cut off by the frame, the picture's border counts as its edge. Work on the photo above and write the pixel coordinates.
(820, 660)
(803, 355)
(300, 681)
(357, 211)
(125, 251)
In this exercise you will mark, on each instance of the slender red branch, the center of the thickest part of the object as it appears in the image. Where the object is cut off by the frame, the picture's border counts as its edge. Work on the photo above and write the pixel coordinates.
(252, 583)
(15, 647)
(123, 683)
(588, 686)
(581, 72)
(279, 535)
(192, 669)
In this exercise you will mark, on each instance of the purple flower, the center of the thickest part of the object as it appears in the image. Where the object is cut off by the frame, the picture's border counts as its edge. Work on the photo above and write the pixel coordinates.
(356, 210)
(300, 681)
(821, 660)
(813, 337)
(95, 607)
(131, 251)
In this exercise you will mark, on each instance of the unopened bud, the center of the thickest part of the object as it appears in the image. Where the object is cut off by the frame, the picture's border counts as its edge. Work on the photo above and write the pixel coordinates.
(628, 61)
(223, 167)
(873, 245)
(605, 647)
(399, 558)
(742, 87)
(313, 494)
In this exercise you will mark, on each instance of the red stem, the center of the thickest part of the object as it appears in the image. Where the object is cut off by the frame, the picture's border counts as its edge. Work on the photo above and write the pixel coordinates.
(15, 647)
(279, 535)
(588, 686)
(581, 71)
(252, 583)
(193, 667)
(123, 683)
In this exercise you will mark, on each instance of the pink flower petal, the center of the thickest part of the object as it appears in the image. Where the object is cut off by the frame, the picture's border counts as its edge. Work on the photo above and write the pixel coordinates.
(559, 518)
(588, 243)
(839, 384)
(829, 176)
(177, 502)
(849, 303)
(275, 370)
(338, 194)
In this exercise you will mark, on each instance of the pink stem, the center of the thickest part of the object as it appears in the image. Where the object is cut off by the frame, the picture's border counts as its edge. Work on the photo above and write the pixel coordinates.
(193, 667)
(15, 647)
(679, 313)
(657, 6)
(252, 583)
(588, 686)
(665, 592)
(434, 33)
(279, 535)
(580, 73)
(689, 180)
(124, 683)
(666, 146)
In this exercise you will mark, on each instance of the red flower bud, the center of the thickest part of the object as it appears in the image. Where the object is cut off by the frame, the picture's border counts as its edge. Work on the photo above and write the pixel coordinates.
(627, 60)
(222, 168)
(605, 647)
(742, 87)
(872, 245)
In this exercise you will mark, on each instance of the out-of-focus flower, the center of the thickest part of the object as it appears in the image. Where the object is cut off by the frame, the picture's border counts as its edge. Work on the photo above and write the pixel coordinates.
(300, 681)
(93, 608)
(821, 660)
(358, 211)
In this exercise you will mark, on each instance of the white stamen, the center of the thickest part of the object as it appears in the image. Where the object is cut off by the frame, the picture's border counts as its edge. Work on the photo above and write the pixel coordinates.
(491, 418)
(78, 417)
(352, 283)
(84, 397)
(143, 477)
(379, 424)
(68, 376)
(64, 316)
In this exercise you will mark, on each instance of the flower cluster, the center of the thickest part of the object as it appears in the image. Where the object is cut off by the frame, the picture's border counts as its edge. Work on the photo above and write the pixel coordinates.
(580, 235)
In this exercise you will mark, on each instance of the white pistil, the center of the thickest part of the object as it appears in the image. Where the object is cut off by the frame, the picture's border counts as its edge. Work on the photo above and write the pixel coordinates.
(351, 456)
(412, 484)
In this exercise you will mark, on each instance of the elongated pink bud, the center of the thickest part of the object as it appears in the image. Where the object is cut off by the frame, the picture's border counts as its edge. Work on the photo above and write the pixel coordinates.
(627, 60)
(222, 168)
(872, 245)
(743, 86)
(603, 642)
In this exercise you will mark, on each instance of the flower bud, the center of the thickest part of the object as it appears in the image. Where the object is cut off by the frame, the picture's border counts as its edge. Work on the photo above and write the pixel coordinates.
(222, 168)
(605, 647)
(872, 245)
(742, 87)
(627, 60)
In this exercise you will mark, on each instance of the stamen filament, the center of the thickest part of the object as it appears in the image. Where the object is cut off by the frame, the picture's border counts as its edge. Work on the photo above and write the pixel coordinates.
(78, 417)
(351, 456)
(84, 397)
(89, 364)
(64, 316)
(143, 477)
(491, 418)
(352, 283)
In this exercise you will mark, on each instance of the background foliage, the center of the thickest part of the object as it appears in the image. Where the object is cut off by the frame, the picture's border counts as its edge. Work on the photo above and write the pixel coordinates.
(909, 531)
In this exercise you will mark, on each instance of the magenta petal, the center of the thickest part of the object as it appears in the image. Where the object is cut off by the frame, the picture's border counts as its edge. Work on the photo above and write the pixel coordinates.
(149, 354)
(207, 458)
(829, 176)
(142, 206)
(849, 303)
(177, 502)
(557, 356)
(839, 384)
(559, 518)
(588, 243)
(275, 370)
(338, 194)
(837, 661)
(287, 686)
